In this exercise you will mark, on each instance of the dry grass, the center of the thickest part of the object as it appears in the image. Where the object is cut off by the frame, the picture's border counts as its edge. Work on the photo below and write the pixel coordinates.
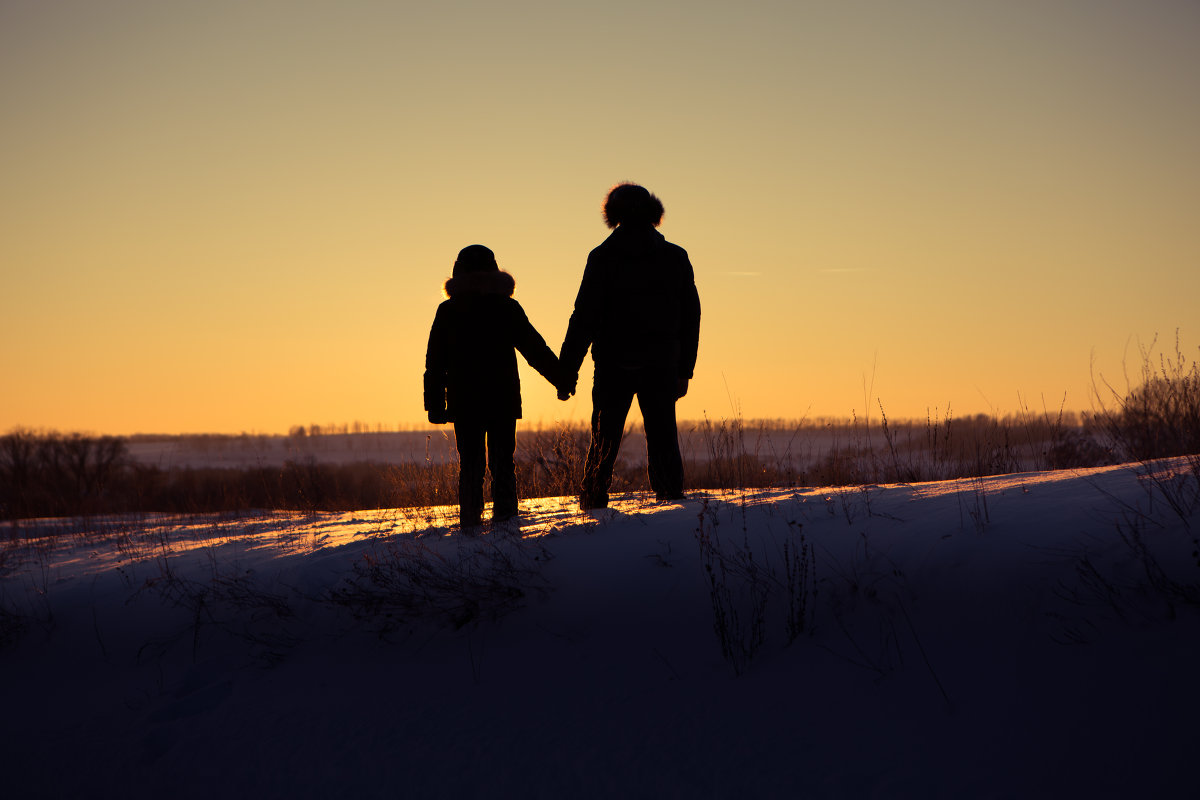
(52, 474)
(102, 478)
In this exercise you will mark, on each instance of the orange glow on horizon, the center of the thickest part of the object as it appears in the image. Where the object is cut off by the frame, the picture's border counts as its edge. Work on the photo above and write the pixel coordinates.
(217, 222)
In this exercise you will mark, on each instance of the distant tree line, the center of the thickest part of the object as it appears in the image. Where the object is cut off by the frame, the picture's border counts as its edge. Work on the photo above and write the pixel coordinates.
(54, 475)
(49, 474)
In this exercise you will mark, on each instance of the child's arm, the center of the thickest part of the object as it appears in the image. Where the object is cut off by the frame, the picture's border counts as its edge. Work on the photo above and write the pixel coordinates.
(533, 347)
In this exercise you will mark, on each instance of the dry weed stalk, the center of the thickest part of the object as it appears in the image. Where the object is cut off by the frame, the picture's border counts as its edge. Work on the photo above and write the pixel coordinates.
(410, 581)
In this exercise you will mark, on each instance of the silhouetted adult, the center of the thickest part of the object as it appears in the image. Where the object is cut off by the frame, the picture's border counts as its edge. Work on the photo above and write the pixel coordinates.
(471, 377)
(639, 311)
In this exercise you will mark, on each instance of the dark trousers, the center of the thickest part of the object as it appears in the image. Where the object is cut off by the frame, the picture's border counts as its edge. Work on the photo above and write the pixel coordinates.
(613, 391)
(493, 442)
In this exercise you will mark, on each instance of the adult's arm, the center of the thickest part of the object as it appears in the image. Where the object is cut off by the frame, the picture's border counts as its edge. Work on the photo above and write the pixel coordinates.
(585, 319)
(689, 321)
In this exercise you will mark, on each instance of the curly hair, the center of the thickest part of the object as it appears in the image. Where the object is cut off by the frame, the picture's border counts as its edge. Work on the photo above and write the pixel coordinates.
(628, 202)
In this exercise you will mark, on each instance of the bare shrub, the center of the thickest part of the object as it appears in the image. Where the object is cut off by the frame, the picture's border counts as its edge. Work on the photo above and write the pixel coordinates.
(226, 599)
(748, 591)
(800, 568)
(550, 464)
(407, 582)
(55, 474)
(1144, 574)
(1160, 416)
(739, 587)
(1157, 423)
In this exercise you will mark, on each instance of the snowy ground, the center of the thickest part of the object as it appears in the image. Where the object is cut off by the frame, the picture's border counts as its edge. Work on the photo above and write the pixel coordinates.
(1004, 638)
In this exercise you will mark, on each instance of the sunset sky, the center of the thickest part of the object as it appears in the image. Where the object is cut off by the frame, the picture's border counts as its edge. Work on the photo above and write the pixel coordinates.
(237, 215)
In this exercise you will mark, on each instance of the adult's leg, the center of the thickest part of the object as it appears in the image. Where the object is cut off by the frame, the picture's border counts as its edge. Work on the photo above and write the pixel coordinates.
(469, 437)
(656, 398)
(501, 444)
(612, 394)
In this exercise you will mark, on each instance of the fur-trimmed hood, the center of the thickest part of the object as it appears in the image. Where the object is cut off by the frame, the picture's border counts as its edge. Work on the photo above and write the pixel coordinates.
(496, 282)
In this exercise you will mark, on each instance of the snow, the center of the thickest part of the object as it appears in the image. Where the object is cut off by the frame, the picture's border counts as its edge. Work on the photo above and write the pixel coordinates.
(970, 638)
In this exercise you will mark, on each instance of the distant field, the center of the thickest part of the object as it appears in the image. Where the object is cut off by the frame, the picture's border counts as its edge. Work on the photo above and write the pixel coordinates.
(48, 474)
(438, 447)
(274, 451)
(799, 446)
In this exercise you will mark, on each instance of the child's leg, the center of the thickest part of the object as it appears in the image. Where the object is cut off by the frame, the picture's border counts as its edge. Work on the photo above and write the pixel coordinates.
(468, 435)
(501, 445)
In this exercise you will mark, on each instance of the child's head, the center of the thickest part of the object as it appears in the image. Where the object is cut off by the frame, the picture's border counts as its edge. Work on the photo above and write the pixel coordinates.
(476, 272)
(475, 258)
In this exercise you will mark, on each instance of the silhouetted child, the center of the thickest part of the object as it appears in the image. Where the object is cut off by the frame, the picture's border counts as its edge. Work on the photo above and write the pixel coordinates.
(471, 377)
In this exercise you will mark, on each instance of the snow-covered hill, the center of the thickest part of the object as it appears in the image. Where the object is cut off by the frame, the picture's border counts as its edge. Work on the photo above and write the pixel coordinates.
(1030, 635)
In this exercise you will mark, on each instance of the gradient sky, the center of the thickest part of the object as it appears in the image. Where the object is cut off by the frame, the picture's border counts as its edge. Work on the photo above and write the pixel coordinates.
(227, 216)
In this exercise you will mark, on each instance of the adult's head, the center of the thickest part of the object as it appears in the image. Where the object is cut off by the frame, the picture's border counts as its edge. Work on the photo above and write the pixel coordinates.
(474, 258)
(628, 203)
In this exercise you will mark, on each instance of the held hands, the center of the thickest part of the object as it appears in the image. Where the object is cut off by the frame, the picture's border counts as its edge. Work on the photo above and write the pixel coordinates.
(566, 385)
(438, 417)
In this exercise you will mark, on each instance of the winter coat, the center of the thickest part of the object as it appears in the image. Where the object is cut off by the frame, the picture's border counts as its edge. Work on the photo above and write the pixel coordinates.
(637, 306)
(471, 362)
